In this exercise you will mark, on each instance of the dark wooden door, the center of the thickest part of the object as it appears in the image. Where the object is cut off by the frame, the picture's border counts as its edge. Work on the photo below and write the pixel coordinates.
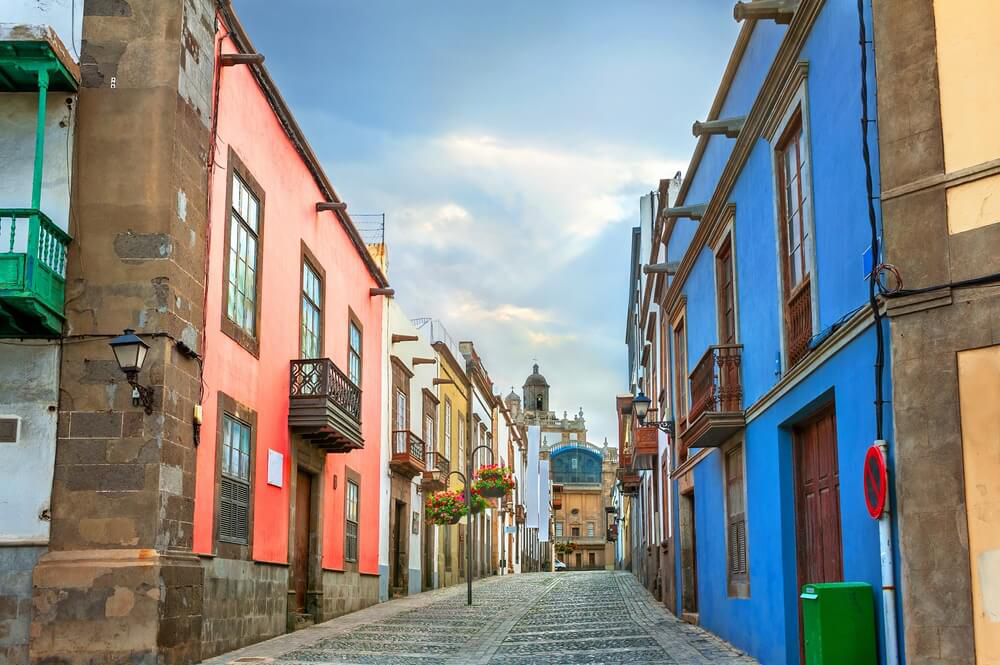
(817, 506)
(396, 550)
(818, 500)
(427, 533)
(303, 518)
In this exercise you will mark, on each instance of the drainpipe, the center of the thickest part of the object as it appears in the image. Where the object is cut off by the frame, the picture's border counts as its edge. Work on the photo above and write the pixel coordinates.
(888, 575)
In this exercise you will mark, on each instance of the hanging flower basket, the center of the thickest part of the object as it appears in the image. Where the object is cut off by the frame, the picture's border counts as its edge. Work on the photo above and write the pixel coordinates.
(493, 481)
(479, 504)
(445, 508)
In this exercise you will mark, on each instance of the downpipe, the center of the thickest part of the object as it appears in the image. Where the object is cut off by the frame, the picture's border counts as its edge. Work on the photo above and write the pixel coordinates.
(888, 574)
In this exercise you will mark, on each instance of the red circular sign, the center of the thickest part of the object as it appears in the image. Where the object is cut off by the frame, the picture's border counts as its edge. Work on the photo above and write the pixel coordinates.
(876, 481)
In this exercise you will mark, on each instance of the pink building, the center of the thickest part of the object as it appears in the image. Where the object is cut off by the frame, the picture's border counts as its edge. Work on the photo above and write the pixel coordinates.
(286, 498)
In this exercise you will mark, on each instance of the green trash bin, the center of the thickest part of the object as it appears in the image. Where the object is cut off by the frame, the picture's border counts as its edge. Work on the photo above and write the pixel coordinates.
(838, 622)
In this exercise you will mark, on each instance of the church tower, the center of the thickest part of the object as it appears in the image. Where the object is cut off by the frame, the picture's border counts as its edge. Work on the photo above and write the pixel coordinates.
(536, 392)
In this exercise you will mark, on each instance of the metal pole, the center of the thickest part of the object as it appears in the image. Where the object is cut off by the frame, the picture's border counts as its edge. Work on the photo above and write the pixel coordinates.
(468, 494)
(36, 178)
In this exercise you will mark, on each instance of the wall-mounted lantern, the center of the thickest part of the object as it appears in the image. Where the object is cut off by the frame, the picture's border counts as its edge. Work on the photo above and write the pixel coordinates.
(130, 353)
(641, 405)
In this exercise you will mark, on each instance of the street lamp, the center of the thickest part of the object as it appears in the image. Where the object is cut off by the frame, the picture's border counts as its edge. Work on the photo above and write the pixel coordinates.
(130, 352)
(641, 405)
(466, 482)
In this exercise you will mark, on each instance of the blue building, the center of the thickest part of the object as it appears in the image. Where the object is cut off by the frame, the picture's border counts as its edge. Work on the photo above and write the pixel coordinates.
(758, 310)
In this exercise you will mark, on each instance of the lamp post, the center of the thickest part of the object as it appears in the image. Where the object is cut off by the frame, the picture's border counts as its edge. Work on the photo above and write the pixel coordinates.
(130, 352)
(466, 482)
(640, 403)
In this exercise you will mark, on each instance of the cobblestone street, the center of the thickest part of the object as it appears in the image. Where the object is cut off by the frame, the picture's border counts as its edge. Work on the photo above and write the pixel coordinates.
(587, 617)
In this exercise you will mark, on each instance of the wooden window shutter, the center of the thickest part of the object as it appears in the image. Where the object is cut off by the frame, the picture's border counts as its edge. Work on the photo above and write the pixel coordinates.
(234, 511)
(736, 521)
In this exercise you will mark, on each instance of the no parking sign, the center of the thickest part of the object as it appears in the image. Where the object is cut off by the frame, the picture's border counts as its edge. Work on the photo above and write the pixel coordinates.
(876, 481)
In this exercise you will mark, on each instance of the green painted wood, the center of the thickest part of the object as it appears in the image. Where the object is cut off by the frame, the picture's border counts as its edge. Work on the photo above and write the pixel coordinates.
(20, 60)
(32, 274)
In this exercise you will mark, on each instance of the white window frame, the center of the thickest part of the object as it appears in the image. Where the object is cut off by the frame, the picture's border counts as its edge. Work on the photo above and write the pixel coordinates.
(798, 101)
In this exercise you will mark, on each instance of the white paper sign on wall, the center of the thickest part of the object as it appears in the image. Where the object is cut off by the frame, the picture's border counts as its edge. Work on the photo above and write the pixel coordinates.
(275, 468)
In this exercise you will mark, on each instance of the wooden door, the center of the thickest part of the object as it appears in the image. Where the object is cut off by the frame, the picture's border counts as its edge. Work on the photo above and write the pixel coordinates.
(397, 551)
(303, 518)
(818, 501)
(427, 533)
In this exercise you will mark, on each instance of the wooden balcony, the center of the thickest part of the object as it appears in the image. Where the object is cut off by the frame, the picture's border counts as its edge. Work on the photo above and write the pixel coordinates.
(624, 465)
(407, 453)
(32, 274)
(436, 470)
(798, 320)
(630, 482)
(556, 502)
(716, 399)
(646, 448)
(324, 405)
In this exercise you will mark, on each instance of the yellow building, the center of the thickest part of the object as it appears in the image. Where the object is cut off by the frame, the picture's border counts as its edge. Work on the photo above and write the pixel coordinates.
(453, 396)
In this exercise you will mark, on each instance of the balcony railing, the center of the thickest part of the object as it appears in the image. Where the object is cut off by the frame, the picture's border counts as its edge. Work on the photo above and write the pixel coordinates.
(32, 273)
(799, 322)
(324, 405)
(407, 453)
(436, 470)
(716, 398)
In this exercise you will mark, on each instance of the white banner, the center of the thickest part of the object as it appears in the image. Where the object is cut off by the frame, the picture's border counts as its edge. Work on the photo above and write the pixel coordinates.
(531, 478)
(543, 501)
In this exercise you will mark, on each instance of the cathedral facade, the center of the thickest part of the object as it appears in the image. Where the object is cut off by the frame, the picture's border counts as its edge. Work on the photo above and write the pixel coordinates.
(581, 475)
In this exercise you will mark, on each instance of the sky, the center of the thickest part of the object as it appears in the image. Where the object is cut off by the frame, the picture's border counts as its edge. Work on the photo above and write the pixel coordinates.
(507, 144)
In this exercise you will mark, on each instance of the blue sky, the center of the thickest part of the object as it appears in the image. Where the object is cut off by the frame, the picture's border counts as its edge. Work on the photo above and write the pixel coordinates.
(507, 144)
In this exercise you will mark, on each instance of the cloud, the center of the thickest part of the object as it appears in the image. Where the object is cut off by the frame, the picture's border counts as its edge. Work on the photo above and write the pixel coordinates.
(516, 245)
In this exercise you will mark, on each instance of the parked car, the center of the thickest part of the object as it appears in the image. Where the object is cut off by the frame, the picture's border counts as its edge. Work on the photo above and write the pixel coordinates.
(559, 565)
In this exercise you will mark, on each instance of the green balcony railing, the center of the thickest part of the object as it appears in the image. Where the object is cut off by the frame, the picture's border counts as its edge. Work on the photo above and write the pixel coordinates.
(32, 274)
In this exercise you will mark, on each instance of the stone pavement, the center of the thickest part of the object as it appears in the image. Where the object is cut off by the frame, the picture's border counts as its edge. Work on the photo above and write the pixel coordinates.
(585, 617)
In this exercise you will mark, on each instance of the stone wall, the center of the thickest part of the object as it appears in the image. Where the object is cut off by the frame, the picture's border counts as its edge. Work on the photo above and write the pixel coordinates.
(119, 583)
(244, 602)
(345, 592)
(16, 564)
(928, 329)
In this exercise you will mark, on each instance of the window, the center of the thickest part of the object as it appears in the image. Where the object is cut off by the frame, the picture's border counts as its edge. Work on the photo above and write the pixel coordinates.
(726, 305)
(559, 529)
(794, 226)
(590, 529)
(234, 510)
(736, 524)
(354, 353)
(400, 422)
(461, 440)
(680, 369)
(429, 432)
(311, 341)
(447, 426)
(576, 532)
(351, 530)
(241, 294)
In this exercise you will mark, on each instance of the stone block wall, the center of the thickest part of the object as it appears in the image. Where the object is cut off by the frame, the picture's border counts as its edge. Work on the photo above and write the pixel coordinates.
(16, 564)
(346, 592)
(244, 602)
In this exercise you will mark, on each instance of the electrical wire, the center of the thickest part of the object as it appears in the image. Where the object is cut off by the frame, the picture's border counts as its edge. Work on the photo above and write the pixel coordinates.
(866, 155)
(984, 280)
